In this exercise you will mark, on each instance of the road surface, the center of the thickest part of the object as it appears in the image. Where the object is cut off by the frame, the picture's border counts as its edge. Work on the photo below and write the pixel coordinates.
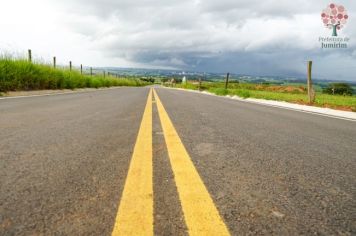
(169, 162)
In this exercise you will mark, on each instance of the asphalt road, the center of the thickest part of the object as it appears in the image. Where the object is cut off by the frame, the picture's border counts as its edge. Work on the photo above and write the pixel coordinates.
(64, 160)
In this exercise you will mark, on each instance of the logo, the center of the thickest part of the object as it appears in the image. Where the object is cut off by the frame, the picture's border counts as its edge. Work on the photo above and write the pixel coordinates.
(334, 17)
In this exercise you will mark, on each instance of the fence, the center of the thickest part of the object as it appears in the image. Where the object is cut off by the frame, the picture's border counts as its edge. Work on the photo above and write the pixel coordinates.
(83, 70)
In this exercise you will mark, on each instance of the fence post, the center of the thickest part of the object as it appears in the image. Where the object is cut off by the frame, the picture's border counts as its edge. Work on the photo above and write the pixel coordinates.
(81, 69)
(91, 71)
(29, 55)
(54, 62)
(104, 73)
(70, 65)
(227, 80)
(311, 93)
(199, 84)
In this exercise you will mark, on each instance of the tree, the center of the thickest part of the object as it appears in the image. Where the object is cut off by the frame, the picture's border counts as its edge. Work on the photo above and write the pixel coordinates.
(164, 80)
(339, 88)
(178, 80)
(149, 80)
(334, 17)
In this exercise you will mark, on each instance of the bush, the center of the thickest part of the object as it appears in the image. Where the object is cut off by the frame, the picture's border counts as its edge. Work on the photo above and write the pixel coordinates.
(339, 88)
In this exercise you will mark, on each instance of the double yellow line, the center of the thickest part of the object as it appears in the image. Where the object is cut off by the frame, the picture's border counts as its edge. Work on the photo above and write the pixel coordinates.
(135, 214)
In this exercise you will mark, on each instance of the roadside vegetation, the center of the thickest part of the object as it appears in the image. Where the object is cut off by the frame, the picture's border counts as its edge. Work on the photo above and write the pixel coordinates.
(290, 93)
(20, 74)
(339, 88)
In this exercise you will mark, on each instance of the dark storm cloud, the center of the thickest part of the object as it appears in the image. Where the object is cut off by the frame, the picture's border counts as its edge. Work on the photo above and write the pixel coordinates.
(247, 36)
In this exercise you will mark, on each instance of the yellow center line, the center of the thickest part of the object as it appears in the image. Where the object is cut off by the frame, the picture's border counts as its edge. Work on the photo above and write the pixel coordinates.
(200, 213)
(135, 214)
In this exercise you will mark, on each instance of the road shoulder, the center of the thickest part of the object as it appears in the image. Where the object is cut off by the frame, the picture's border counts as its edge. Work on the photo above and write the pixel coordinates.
(346, 115)
(48, 92)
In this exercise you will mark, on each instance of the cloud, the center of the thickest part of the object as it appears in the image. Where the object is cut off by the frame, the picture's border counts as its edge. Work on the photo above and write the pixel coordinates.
(249, 36)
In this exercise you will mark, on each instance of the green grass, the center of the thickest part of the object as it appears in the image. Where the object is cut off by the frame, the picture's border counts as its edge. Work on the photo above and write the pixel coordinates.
(19, 74)
(261, 92)
(187, 86)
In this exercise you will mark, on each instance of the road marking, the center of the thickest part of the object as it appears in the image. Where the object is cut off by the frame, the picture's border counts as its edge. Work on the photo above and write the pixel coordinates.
(135, 214)
(200, 213)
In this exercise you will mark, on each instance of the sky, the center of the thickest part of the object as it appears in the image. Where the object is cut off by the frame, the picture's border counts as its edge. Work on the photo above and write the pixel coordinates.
(251, 37)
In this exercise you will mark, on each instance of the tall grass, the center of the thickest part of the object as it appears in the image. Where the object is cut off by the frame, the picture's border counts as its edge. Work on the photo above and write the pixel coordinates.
(20, 74)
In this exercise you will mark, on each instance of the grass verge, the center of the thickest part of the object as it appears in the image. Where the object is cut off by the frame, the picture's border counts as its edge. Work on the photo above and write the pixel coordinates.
(296, 95)
(18, 74)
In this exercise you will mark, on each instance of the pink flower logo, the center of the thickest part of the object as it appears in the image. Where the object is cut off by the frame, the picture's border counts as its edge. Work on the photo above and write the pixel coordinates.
(334, 17)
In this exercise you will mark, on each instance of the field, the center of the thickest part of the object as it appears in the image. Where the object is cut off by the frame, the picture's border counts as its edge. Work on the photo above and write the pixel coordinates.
(292, 93)
(20, 74)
